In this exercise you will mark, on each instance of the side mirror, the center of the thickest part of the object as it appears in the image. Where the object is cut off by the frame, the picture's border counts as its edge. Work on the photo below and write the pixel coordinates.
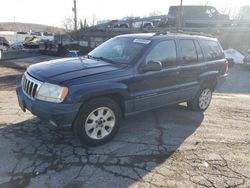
(151, 66)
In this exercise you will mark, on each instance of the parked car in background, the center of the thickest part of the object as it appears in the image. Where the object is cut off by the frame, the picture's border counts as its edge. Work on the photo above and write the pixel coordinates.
(42, 35)
(31, 42)
(4, 44)
(198, 16)
(120, 24)
(143, 24)
(247, 59)
(18, 45)
(22, 33)
(123, 76)
(111, 24)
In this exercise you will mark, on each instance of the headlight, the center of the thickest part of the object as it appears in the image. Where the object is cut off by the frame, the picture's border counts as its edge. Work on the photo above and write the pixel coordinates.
(52, 93)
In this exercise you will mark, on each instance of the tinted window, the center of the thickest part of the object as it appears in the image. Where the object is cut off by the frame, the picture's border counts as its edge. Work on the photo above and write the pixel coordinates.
(198, 50)
(188, 49)
(212, 50)
(165, 52)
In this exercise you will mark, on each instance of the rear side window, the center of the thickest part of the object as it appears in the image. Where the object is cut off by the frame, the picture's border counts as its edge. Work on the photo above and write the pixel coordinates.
(199, 51)
(189, 54)
(165, 52)
(212, 50)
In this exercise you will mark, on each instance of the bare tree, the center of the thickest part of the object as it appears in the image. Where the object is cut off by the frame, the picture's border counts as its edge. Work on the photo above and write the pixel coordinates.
(155, 13)
(204, 2)
(85, 24)
(229, 10)
(93, 19)
(68, 24)
(51, 29)
(81, 24)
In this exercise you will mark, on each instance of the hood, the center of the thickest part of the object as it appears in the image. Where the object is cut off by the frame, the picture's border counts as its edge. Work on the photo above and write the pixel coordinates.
(57, 71)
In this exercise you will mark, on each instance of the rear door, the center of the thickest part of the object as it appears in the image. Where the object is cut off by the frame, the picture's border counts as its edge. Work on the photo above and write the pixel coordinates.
(191, 66)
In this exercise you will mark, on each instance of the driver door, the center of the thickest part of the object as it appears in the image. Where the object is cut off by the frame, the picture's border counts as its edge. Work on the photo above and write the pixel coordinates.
(157, 88)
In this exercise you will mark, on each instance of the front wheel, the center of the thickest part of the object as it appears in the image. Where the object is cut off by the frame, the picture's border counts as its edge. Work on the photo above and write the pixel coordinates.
(97, 121)
(202, 100)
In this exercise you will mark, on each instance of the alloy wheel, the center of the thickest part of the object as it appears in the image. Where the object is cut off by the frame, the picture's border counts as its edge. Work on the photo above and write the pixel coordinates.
(100, 123)
(205, 98)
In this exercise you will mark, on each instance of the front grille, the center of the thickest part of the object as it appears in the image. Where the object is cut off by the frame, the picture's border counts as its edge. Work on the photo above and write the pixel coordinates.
(30, 85)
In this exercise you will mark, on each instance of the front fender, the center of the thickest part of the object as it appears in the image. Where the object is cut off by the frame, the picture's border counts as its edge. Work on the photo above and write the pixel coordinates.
(81, 94)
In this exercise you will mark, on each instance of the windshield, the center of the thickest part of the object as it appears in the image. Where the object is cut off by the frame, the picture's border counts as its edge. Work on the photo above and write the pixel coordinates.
(119, 50)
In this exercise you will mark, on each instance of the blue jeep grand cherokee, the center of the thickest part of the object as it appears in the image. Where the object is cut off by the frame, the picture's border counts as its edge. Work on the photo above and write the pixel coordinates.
(123, 76)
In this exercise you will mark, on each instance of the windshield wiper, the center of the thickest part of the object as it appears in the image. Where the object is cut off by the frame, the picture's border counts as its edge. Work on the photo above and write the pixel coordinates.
(103, 59)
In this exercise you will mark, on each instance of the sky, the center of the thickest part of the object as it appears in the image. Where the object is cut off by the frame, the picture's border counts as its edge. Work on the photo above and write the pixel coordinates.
(54, 12)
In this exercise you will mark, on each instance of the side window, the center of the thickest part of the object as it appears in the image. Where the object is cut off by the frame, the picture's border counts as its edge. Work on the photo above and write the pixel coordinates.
(189, 54)
(165, 52)
(212, 50)
(199, 51)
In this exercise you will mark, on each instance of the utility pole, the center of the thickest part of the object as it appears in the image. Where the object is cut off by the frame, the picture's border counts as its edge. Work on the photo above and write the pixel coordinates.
(179, 17)
(74, 9)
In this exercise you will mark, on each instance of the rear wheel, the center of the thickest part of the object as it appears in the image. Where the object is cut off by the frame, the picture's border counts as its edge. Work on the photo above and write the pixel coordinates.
(98, 121)
(202, 100)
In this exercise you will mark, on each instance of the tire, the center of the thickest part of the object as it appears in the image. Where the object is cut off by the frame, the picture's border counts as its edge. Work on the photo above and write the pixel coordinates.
(202, 100)
(97, 121)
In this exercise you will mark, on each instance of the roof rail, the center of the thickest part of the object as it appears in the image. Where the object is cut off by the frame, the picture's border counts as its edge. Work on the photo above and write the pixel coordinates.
(196, 33)
(183, 32)
(162, 33)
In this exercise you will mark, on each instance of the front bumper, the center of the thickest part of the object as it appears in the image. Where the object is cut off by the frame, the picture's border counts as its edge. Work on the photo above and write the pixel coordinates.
(59, 113)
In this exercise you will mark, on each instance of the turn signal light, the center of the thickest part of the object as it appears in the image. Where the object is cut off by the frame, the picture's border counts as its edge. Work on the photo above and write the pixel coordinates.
(226, 67)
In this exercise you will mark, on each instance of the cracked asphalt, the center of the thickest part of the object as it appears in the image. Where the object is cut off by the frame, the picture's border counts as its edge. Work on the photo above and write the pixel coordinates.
(168, 147)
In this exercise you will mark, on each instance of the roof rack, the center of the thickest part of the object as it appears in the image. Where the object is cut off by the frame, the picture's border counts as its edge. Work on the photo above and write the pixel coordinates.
(183, 32)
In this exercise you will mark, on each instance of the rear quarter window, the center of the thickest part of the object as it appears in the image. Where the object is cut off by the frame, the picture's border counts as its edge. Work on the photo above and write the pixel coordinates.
(212, 50)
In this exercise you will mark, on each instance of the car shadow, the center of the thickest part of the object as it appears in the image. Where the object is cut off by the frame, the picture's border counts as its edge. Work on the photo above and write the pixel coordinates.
(36, 153)
(9, 82)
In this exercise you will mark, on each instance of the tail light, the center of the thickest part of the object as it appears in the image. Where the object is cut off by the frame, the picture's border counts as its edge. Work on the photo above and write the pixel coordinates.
(226, 67)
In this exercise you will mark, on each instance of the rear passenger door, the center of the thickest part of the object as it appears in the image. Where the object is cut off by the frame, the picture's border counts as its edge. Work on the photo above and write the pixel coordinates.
(191, 67)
